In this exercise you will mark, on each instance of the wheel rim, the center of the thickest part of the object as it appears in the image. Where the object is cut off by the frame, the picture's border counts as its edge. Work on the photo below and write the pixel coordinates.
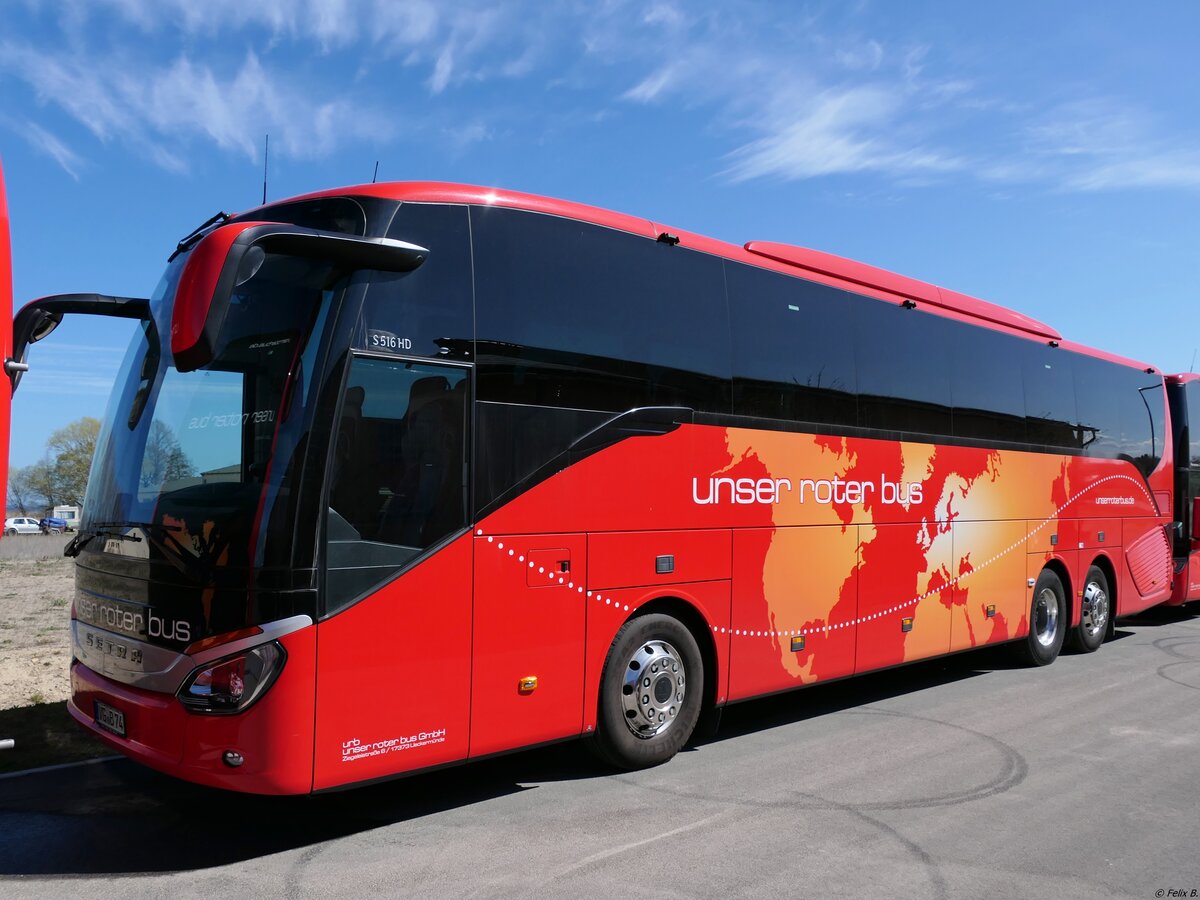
(1095, 609)
(1045, 617)
(654, 688)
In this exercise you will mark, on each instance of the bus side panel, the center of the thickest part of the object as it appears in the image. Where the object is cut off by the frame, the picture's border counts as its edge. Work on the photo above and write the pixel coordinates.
(607, 611)
(5, 326)
(527, 683)
(394, 675)
(797, 590)
(904, 596)
(990, 593)
(1100, 534)
(644, 558)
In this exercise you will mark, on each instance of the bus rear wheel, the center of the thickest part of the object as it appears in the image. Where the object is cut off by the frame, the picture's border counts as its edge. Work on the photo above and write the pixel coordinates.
(1047, 621)
(1095, 610)
(650, 693)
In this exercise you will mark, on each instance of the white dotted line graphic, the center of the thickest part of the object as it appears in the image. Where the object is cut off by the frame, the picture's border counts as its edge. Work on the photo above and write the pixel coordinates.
(553, 576)
(826, 629)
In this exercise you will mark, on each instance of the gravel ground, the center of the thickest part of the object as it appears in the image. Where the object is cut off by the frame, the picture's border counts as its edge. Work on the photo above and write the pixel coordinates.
(35, 604)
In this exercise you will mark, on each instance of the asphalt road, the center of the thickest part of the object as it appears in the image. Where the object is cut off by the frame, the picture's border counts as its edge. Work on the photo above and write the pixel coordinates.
(967, 777)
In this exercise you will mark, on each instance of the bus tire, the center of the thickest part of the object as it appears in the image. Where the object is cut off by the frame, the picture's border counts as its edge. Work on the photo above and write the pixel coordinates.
(651, 689)
(1095, 611)
(1047, 621)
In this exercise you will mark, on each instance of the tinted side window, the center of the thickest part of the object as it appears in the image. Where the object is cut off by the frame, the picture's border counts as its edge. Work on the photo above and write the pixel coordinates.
(425, 312)
(1101, 391)
(903, 368)
(793, 348)
(576, 315)
(987, 386)
(1050, 414)
(1143, 424)
(1120, 412)
(515, 440)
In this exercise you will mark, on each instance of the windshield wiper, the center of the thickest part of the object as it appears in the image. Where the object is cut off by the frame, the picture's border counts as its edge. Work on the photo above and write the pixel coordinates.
(83, 538)
(161, 538)
(157, 535)
(193, 237)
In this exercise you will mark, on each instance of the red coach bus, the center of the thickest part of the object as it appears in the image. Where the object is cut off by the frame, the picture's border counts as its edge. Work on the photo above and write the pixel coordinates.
(402, 475)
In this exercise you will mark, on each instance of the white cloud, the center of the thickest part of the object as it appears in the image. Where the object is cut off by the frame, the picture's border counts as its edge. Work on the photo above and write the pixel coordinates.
(462, 136)
(443, 68)
(1098, 144)
(811, 118)
(69, 84)
(795, 96)
(867, 56)
(113, 78)
(45, 142)
(159, 109)
(833, 133)
(653, 85)
(1160, 170)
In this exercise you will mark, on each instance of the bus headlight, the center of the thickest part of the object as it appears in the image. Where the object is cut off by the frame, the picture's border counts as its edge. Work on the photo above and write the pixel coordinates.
(232, 684)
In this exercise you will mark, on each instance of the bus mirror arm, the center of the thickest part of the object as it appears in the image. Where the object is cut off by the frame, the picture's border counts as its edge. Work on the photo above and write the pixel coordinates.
(348, 251)
(38, 318)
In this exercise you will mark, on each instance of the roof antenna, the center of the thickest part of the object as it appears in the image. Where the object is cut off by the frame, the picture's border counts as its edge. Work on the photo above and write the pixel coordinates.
(266, 155)
(1192, 367)
(376, 175)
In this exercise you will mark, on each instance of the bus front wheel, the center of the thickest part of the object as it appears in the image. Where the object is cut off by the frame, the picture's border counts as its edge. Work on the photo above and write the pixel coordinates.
(650, 693)
(1047, 621)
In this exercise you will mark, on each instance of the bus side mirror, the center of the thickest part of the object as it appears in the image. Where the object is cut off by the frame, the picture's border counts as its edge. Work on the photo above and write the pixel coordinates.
(229, 256)
(1196, 519)
(38, 318)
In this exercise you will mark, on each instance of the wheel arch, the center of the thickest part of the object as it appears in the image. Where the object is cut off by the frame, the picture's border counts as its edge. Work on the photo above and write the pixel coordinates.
(695, 622)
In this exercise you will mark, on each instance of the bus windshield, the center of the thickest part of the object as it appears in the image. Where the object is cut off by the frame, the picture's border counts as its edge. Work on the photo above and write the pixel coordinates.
(191, 466)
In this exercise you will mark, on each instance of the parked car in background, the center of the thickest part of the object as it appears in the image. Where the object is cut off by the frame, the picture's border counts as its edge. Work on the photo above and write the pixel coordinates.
(21, 525)
(51, 525)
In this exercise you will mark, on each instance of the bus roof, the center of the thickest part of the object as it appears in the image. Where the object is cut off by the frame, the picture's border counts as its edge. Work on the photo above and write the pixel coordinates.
(817, 265)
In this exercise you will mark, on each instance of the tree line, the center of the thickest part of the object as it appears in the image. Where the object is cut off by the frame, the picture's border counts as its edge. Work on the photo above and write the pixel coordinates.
(60, 477)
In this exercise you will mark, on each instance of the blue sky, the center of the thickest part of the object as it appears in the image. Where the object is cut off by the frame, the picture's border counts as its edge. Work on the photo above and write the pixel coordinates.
(1042, 156)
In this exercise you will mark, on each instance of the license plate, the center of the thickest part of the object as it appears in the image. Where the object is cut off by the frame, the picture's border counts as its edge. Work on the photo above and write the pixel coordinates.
(110, 719)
